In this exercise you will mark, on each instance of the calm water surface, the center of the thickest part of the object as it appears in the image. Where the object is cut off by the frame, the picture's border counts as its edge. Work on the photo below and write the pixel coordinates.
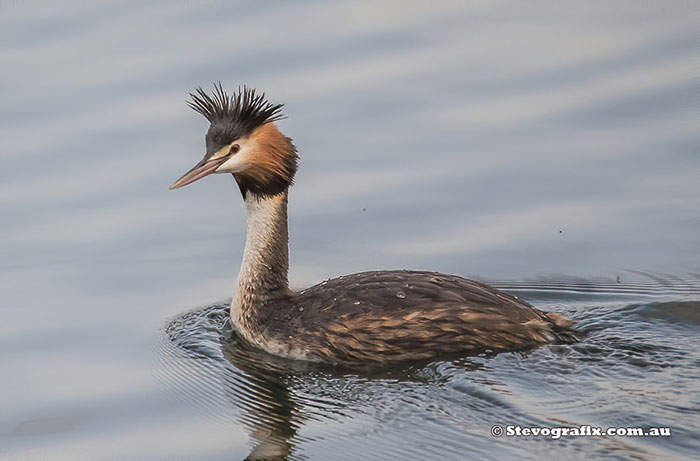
(548, 150)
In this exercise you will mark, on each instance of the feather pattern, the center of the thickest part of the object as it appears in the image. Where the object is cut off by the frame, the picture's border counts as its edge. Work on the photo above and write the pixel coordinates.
(388, 316)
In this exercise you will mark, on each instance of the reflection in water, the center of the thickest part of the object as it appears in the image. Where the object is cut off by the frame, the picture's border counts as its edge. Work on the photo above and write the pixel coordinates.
(267, 408)
(267, 391)
(617, 376)
(250, 380)
(275, 397)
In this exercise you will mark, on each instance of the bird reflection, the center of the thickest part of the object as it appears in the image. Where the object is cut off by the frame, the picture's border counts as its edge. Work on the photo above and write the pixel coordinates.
(258, 387)
(273, 397)
(266, 388)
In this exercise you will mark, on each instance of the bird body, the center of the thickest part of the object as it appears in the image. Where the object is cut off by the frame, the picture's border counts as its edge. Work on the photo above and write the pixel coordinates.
(368, 317)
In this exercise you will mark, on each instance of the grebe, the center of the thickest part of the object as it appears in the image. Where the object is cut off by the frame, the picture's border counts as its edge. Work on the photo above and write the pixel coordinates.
(369, 317)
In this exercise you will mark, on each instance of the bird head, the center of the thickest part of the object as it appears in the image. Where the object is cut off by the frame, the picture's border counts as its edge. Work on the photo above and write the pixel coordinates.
(243, 140)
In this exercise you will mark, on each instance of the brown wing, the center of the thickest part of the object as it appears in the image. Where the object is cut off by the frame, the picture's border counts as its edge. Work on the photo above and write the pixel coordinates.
(401, 315)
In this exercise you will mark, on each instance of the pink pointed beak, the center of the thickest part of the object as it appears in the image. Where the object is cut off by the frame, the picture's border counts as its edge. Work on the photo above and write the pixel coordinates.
(200, 170)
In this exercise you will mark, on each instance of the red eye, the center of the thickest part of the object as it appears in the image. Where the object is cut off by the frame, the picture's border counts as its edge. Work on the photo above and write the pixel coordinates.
(234, 149)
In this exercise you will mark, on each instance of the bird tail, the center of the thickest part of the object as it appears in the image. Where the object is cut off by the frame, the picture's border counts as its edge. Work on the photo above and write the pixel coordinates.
(562, 328)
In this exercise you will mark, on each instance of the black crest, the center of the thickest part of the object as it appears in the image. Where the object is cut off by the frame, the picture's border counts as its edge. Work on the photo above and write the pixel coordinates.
(234, 116)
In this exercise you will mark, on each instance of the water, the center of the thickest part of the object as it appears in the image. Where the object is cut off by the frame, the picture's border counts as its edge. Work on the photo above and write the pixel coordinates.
(620, 376)
(549, 151)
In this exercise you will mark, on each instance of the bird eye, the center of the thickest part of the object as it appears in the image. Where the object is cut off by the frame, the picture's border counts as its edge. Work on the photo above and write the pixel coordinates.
(234, 149)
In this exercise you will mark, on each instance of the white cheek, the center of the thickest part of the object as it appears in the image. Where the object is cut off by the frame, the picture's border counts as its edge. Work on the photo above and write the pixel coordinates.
(235, 164)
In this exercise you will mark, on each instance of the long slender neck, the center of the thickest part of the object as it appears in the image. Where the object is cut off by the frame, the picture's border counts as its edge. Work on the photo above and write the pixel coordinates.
(263, 274)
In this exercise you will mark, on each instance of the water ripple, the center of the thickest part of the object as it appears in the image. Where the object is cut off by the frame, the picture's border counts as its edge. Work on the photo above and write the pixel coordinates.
(617, 375)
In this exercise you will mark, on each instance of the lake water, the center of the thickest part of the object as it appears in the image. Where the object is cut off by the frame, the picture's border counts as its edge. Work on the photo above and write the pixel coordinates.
(551, 150)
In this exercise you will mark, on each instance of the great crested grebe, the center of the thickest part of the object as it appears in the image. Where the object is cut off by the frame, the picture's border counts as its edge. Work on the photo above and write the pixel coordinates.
(379, 316)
